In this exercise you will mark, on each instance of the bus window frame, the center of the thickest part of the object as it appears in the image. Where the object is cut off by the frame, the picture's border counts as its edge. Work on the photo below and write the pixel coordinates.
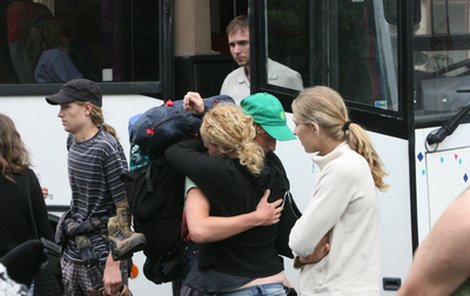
(398, 123)
(163, 87)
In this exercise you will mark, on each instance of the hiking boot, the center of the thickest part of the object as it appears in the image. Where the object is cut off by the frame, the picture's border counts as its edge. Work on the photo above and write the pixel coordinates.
(123, 240)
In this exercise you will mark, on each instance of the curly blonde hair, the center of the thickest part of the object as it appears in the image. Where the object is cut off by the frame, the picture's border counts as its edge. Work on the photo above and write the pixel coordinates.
(230, 130)
(13, 155)
(325, 107)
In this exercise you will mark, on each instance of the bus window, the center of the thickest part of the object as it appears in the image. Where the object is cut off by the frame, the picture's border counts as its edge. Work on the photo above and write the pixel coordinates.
(442, 43)
(391, 11)
(288, 57)
(365, 63)
(102, 40)
(347, 45)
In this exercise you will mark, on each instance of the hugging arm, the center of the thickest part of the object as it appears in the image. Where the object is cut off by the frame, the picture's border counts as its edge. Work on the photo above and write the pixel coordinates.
(204, 228)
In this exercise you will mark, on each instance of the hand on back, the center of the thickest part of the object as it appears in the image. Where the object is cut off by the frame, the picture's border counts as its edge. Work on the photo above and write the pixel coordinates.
(268, 213)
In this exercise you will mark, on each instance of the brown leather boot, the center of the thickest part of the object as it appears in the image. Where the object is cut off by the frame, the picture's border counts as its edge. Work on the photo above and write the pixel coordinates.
(124, 242)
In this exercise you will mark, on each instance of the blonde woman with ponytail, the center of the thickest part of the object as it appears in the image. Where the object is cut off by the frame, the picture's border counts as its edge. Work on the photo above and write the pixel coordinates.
(336, 239)
(227, 213)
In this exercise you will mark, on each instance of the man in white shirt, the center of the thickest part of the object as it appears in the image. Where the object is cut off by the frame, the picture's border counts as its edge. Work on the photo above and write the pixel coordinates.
(237, 83)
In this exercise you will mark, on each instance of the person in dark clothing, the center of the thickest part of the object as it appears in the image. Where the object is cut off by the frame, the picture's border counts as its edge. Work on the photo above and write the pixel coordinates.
(48, 48)
(16, 178)
(270, 124)
(232, 184)
(15, 217)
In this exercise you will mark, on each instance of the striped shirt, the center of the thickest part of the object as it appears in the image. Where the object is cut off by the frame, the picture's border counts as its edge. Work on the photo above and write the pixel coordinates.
(94, 167)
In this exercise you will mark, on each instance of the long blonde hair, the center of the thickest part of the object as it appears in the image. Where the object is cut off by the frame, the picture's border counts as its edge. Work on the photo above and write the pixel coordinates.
(325, 107)
(97, 118)
(13, 155)
(228, 128)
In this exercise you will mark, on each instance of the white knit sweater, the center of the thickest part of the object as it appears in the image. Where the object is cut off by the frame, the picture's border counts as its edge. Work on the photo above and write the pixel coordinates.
(345, 200)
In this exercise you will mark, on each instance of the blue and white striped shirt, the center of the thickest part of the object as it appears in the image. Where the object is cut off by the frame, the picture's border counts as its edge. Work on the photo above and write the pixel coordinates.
(95, 166)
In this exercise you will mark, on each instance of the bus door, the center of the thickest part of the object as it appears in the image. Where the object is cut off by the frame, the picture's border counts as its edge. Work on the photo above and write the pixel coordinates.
(352, 46)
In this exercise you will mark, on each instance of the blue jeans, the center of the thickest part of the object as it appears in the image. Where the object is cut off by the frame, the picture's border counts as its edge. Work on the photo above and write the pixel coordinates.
(276, 289)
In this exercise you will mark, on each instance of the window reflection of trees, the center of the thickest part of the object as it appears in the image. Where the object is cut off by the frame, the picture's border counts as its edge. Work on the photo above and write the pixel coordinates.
(288, 37)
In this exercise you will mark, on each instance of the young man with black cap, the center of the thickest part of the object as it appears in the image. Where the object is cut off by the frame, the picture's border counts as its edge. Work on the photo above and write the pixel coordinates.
(95, 162)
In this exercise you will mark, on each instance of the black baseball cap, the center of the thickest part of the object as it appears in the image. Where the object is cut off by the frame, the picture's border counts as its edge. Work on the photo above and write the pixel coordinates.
(77, 90)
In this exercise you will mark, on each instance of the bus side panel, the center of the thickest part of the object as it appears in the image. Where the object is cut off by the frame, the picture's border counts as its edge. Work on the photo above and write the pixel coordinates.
(394, 210)
(45, 138)
(441, 175)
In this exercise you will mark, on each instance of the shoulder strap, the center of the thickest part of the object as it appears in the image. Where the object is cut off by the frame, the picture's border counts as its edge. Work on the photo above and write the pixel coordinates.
(25, 181)
(153, 165)
(277, 164)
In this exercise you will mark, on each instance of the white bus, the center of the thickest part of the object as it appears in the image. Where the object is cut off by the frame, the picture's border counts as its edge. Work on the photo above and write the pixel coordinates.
(401, 65)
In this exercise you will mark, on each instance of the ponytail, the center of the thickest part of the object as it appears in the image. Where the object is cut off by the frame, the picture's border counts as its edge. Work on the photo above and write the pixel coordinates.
(251, 156)
(98, 119)
(359, 141)
(228, 128)
(108, 128)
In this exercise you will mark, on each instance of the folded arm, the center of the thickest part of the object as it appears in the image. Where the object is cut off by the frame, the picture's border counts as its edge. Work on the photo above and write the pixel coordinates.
(321, 250)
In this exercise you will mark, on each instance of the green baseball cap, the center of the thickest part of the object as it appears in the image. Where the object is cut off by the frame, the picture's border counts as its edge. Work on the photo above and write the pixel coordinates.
(268, 112)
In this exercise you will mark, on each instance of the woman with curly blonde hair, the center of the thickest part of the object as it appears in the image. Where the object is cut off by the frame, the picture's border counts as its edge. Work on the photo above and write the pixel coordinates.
(336, 239)
(237, 252)
(227, 131)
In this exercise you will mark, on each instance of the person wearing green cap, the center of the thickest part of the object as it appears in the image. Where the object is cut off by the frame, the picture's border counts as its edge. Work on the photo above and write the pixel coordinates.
(235, 258)
(267, 112)
(270, 125)
(269, 118)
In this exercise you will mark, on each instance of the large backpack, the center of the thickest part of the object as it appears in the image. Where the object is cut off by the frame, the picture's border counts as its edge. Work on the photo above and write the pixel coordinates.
(155, 191)
(161, 126)
(155, 195)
